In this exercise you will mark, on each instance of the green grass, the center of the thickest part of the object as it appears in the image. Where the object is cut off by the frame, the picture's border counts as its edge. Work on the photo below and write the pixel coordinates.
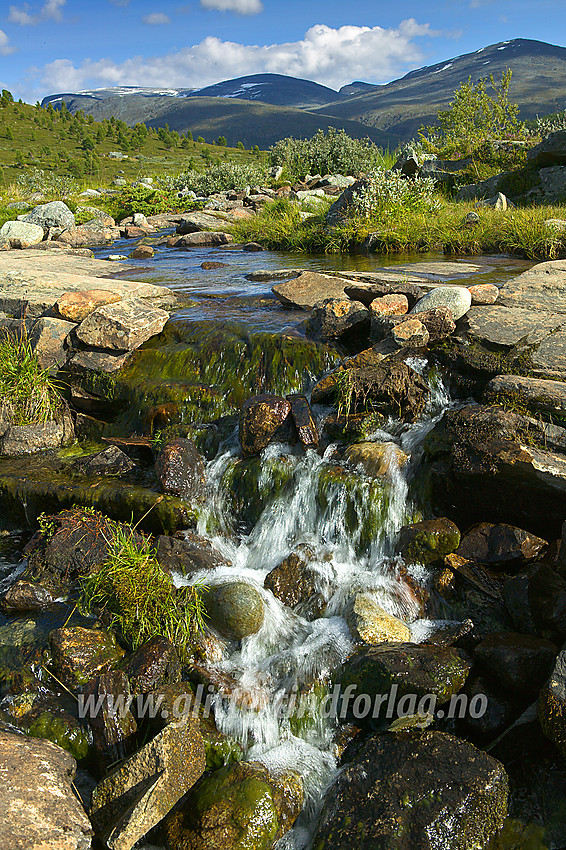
(141, 598)
(28, 394)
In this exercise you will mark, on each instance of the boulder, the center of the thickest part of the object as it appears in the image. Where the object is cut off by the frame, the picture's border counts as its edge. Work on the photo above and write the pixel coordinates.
(304, 421)
(188, 556)
(79, 654)
(53, 214)
(113, 724)
(40, 810)
(500, 545)
(369, 622)
(239, 806)
(439, 323)
(76, 306)
(292, 581)
(540, 288)
(49, 339)
(376, 459)
(24, 596)
(138, 794)
(99, 361)
(410, 334)
(428, 541)
(263, 419)
(151, 665)
(142, 252)
(390, 305)
(21, 234)
(367, 293)
(412, 791)
(308, 289)
(27, 439)
(340, 209)
(535, 600)
(483, 293)
(96, 214)
(516, 663)
(235, 609)
(93, 233)
(552, 704)
(110, 461)
(551, 151)
(336, 318)
(204, 238)
(196, 222)
(458, 299)
(535, 393)
(180, 470)
(123, 326)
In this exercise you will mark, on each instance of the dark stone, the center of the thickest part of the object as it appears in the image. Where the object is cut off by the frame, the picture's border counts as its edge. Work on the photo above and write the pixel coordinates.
(78, 654)
(208, 264)
(552, 704)
(438, 321)
(428, 541)
(500, 545)
(515, 662)
(536, 601)
(154, 663)
(338, 318)
(382, 326)
(235, 609)
(499, 713)
(252, 246)
(180, 470)
(262, 420)
(292, 582)
(188, 555)
(110, 461)
(113, 725)
(551, 151)
(410, 791)
(304, 421)
(25, 596)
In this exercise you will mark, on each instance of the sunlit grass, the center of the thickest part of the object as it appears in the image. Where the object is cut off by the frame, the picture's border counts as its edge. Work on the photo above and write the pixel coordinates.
(28, 394)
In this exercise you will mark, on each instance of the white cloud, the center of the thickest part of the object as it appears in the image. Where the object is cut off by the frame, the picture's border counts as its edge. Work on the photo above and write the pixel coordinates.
(5, 47)
(156, 18)
(240, 7)
(330, 56)
(50, 11)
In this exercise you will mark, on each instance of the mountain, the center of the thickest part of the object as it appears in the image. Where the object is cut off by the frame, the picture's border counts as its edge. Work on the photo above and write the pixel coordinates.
(538, 85)
(262, 108)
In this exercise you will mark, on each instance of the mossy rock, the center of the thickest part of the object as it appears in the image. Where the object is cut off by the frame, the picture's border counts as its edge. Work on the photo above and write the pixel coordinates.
(428, 541)
(78, 654)
(235, 609)
(253, 483)
(62, 730)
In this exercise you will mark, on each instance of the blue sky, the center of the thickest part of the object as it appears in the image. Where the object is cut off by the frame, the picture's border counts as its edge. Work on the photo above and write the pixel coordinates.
(53, 46)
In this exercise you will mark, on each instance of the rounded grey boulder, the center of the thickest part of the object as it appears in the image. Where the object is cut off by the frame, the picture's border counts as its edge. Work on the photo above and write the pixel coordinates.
(235, 609)
(53, 214)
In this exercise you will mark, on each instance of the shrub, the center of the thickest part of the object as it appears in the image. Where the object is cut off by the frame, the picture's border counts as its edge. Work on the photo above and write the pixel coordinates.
(49, 184)
(28, 395)
(330, 153)
(141, 199)
(391, 190)
(220, 177)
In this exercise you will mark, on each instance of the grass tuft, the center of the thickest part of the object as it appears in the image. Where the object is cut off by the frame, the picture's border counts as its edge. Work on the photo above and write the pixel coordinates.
(28, 394)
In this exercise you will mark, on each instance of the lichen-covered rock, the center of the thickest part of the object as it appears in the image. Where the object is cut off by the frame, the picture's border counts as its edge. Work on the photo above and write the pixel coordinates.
(52, 214)
(483, 293)
(76, 306)
(151, 665)
(376, 459)
(368, 292)
(369, 622)
(439, 322)
(143, 789)
(21, 234)
(38, 805)
(235, 609)
(308, 289)
(239, 807)
(262, 419)
(336, 318)
(415, 791)
(390, 305)
(180, 470)
(123, 326)
(410, 333)
(79, 654)
(552, 704)
(428, 541)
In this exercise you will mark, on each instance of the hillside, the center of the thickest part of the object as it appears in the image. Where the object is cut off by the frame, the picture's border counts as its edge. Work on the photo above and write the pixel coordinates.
(538, 85)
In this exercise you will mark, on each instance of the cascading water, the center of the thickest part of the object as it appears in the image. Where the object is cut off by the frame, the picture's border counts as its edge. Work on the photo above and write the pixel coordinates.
(288, 663)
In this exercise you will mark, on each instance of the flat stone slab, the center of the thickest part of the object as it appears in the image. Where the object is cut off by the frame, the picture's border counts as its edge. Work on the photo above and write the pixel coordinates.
(543, 288)
(548, 396)
(506, 326)
(31, 281)
(122, 326)
(308, 288)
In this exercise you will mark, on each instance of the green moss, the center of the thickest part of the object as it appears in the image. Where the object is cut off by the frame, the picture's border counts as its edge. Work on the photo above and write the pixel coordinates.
(62, 731)
(253, 483)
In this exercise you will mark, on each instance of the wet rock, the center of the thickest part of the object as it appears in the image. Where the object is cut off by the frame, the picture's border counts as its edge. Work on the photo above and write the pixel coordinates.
(500, 545)
(98, 361)
(292, 581)
(235, 609)
(203, 238)
(123, 326)
(180, 470)
(208, 264)
(500, 710)
(376, 459)
(515, 662)
(52, 214)
(483, 293)
(142, 252)
(336, 318)
(428, 541)
(367, 293)
(382, 327)
(20, 234)
(238, 806)
(439, 323)
(535, 600)
(552, 704)
(60, 728)
(308, 289)
(262, 419)
(188, 555)
(79, 654)
(370, 623)
(415, 791)
(390, 305)
(476, 575)
(39, 807)
(113, 723)
(76, 306)
(143, 789)
(252, 246)
(417, 671)
(458, 299)
(25, 596)
(110, 461)
(252, 483)
(536, 394)
(410, 334)
(27, 439)
(477, 458)
(151, 665)
(304, 421)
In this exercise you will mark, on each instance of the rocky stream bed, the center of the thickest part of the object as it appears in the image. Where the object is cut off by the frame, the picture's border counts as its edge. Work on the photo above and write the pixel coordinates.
(363, 462)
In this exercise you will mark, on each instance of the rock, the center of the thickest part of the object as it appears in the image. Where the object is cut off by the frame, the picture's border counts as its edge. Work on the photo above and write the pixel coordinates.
(304, 421)
(25, 596)
(542, 287)
(119, 182)
(376, 459)
(96, 215)
(483, 189)
(79, 654)
(516, 662)
(292, 581)
(458, 299)
(556, 226)
(131, 232)
(439, 323)
(428, 541)
(483, 293)
(390, 305)
(235, 609)
(40, 809)
(410, 334)
(212, 265)
(551, 151)
(151, 665)
(180, 470)
(203, 238)
(142, 252)
(535, 600)
(99, 361)
(188, 556)
(414, 791)
(53, 214)
(476, 457)
(382, 327)
(500, 710)
(143, 789)
(498, 202)
(110, 461)
(113, 724)
(262, 420)
(471, 219)
(417, 671)
(336, 318)
(239, 806)
(369, 622)
(21, 234)
(92, 233)
(123, 326)
(27, 439)
(252, 247)
(308, 289)
(340, 209)
(534, 393)
(367, 293)
(195, 222)
(500, 545)
(49, 339)
(552, 704)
